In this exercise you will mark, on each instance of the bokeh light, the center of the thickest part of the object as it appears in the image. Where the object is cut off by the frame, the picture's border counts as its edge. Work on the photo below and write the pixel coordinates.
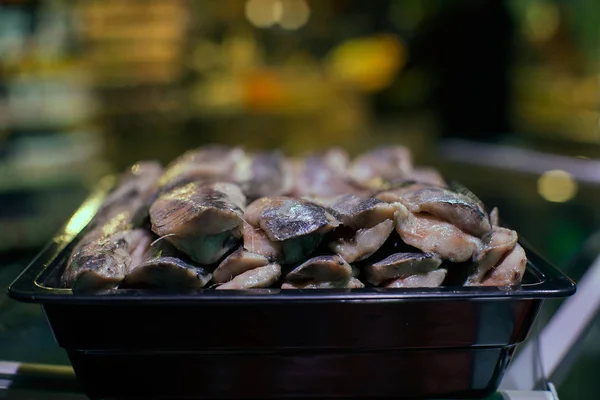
(557, 186)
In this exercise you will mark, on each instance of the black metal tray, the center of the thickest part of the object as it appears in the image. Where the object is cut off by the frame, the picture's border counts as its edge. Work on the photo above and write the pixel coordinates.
(448, 342)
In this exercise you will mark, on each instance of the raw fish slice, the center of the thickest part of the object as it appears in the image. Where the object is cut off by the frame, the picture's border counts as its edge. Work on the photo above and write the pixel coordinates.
(352, 283)
(204, 222)
(321, 269)
(237, 263)
(429, 279)
(207, 164)
(364, 243)
(449, 206)
(429, 176)
(163, 266)
(270, 175)
(383, 162)
(260, 277)
(402, 265)
(103, 263)
(496, 246)
(509, 271)
(359, 212)
(432, 235)
(297, 225)
(323, 176)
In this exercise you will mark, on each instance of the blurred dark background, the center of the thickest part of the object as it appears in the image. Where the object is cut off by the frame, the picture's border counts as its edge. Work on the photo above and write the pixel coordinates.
(502, 96)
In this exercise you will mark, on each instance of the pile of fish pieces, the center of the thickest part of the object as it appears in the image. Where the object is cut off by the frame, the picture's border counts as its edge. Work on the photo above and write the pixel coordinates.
(224, 218)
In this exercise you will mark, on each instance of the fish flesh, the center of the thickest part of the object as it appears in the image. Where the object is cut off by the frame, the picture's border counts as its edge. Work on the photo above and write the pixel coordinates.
(509, 272)
(494, 247)
(237, 263)
(102, 263)
(270, 175)
(352, 283)
(165, 267)
(452, 207)
(256, 242)
(494, 217)
(261, 277)
(322, 176)
(359, 212)
(401, 265)
(298, 225)
(433, 235)
(210, 163)
(203, 221)
(364, 243)
(382, 162)
(321, 269)
(429, 279)
(429, 176)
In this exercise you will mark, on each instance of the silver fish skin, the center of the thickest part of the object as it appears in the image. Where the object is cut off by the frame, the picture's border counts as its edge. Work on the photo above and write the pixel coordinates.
(321, 269)
(402, 265)
(382, 162)
(203, 221)
(495, 246)
(449, 206)
(352, 283)
(103, 263)
(163, 266)
(358, 212)
(237, 263)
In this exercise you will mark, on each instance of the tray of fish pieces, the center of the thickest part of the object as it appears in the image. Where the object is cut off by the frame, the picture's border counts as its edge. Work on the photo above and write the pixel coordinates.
(220, 218)
(230, 274)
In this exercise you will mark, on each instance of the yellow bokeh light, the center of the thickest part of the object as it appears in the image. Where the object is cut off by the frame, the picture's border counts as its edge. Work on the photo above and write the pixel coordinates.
(542, 21)
(263, 13)
(557, 186)
(294, 15)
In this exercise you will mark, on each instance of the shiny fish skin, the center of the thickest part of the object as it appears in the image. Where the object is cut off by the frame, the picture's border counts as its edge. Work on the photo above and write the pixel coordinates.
(402, 265)
(283, 218)
(164, 266)
(359, 212)
(429, 279)
(210, 163)
(103, 263)
(449, 206)
(495, 246)
(201, 221)
(364, 243)
(321, 269)
(260, 277)
(237, 263)
(432, 235)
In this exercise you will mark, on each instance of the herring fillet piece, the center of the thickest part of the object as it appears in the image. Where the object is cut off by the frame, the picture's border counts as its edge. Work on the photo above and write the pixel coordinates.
(260, 277)
(432, 235)
(509, 271)
(270, 175)
(163, 266)
(495, 246)
(203, 221)
(321, 269)
(237, 263)
(352, 283)
(364, 243)
(382, 162)
(298, 226)
(455, 208)
(402, 265)
(103, 263)
(429, 279)
(358, 212)
(210, 163)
